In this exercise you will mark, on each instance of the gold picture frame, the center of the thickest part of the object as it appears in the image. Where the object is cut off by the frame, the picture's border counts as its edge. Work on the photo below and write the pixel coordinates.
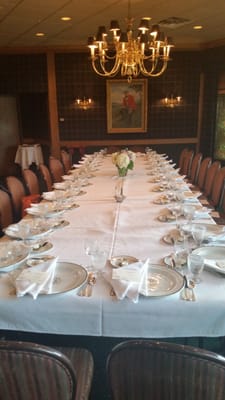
(126, 106)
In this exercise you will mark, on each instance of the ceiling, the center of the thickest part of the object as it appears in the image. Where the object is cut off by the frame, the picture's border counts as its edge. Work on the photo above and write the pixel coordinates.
(20, 20)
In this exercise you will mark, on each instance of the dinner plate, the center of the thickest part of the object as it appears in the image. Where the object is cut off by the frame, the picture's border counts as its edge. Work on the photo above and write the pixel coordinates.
(68, 276)
(36, 212)
(214, 257)
(161, 281)
(36, 232)
(121, 261)
(12, 255)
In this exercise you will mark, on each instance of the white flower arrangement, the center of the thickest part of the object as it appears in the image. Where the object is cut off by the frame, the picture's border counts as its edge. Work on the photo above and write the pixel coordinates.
(123, 160)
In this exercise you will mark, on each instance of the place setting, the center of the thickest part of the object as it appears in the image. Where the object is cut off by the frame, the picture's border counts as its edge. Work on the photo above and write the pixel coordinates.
(142, 278)
(46, 275)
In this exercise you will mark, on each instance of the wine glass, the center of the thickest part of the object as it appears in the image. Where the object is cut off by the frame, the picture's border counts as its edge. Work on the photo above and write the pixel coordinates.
(195, 266)
(97, 255)
(198, 234)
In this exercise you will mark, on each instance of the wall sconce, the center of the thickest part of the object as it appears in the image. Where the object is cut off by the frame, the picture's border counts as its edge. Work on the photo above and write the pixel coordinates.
(172, 101)
(84, 103)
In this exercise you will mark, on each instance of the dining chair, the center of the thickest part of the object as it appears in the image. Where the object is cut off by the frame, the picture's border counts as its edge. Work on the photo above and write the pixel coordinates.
(46, 177)
(181, 158)
(152, 370)
(205, 164)
(195, 165)
(66, 161)
(31, 181)
(217, 188)
(56, 169)
(186, 166)
(209, 178)
(33, 371)
(6, 210)
(17, 190)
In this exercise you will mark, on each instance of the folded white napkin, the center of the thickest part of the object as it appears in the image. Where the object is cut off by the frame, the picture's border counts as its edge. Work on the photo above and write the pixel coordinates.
(190, 197)
(215, 263)
(127, 281)
(217, 238)
(37, 279)
(202, 214)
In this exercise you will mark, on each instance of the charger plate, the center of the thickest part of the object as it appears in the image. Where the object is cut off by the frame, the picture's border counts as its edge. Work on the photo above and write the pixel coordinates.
(161, 281)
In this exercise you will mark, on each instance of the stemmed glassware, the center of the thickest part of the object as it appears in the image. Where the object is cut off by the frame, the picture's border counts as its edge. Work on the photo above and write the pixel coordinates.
(198, 234)
(97, 255)
(189, 212)
(195, 266)
(24, 230)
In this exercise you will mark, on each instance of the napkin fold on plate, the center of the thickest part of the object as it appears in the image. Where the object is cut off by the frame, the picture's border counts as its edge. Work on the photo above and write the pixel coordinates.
(126, 281)
(216, 237)
(215, 263)
(201, 214)
(37, 279)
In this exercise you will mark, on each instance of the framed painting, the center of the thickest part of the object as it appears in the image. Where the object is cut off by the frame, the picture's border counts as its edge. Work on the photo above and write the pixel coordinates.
(126, 106)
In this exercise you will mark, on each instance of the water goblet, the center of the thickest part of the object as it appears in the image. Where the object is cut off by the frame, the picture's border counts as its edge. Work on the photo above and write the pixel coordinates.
(195, 266)
(189, 212)
(24, 231)
(198, 234)
(97, 255)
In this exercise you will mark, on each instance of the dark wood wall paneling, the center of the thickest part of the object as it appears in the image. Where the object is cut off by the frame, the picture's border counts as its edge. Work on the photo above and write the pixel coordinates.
(25, 76)
(213, 65)
(75, 78)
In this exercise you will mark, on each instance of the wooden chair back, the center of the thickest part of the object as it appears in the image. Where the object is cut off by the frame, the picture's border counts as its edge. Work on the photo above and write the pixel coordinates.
(145, 369)
(205, 164)
(17, 190)
(31, 181)
(210, 176)
(45, 173)
(56, 169)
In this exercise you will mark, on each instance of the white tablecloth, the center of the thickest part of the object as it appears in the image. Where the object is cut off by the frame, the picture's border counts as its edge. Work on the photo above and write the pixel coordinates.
(28, 154)
(130, 228)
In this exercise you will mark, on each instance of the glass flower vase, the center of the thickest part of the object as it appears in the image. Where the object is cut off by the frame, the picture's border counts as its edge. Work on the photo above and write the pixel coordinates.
(119, 196)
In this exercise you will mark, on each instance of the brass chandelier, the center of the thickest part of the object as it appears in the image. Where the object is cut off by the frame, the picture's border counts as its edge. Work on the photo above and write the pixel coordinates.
(147, 54)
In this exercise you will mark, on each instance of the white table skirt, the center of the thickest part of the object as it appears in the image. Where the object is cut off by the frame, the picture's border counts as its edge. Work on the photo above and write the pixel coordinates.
(28, 154)
(129, 228)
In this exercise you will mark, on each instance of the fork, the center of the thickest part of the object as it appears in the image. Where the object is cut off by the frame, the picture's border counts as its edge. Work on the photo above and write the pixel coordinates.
(188, 291)
(86, 291)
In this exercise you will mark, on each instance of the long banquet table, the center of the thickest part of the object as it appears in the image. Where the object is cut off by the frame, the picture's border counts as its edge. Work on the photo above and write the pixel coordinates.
(130, 228)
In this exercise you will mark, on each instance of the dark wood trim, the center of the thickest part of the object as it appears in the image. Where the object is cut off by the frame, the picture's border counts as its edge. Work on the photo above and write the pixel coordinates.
(200, 109)
(52, 103)
(124, 142)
